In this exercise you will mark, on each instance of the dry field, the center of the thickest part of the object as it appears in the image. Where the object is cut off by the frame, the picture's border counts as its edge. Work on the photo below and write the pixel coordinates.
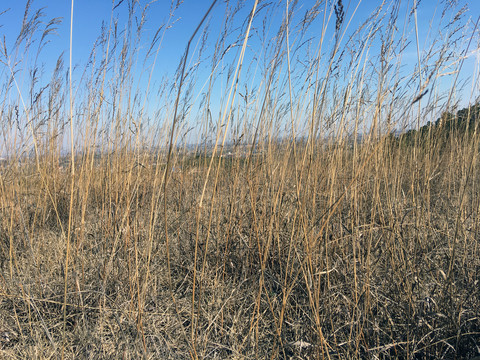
(326, 239)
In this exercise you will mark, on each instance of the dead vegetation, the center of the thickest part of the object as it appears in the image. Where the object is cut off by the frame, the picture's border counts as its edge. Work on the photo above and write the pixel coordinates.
(327, 238)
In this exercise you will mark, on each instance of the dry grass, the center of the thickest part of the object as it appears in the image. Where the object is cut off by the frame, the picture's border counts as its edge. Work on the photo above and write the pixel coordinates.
(311, 244)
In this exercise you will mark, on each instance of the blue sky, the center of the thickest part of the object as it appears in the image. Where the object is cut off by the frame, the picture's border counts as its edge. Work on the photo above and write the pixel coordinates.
(90, 14)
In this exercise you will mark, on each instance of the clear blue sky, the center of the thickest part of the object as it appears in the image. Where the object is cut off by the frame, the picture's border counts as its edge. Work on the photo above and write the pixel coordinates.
(89, 15)
(88, 18)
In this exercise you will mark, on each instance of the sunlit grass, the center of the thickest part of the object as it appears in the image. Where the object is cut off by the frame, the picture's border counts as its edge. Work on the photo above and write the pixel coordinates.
(300, 223)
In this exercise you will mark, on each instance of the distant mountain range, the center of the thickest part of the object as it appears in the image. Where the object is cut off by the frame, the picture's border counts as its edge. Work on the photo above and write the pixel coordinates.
(464, 120)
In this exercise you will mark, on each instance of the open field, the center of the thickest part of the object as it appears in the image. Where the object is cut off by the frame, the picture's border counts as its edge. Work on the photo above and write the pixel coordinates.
(303, 222)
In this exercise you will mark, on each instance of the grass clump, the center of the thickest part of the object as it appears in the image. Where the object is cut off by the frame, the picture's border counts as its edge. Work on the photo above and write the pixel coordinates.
(300, 221)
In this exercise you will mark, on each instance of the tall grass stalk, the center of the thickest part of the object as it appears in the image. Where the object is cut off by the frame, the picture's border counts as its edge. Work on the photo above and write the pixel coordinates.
(304, 185)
